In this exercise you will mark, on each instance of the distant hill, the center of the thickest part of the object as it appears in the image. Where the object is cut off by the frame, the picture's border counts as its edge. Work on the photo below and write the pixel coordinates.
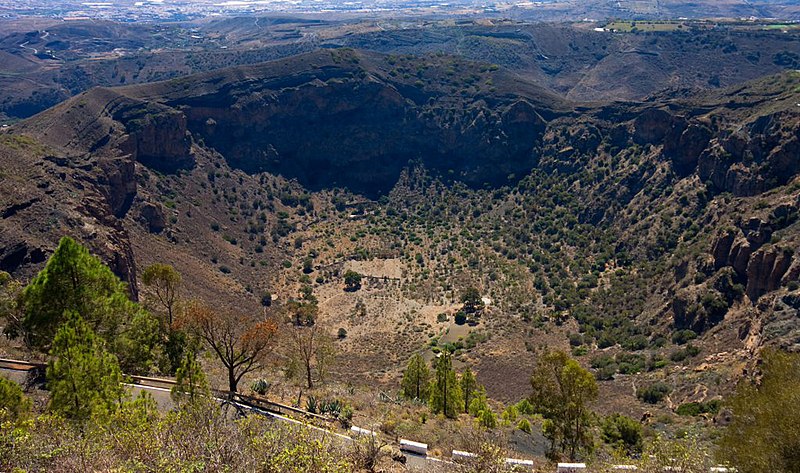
(570, 59)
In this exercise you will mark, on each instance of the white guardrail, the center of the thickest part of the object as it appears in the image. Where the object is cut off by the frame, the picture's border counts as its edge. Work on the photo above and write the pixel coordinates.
(414, 447)
(359, 432)
(460, 456)
(519, 463)
(571, 468)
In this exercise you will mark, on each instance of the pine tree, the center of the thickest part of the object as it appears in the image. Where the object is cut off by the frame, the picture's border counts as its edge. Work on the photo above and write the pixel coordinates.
(190, 381)
(416, 378)
(469, 386)
(14, 405)
(488, 419)
(74, 280)
(136, 344)
(445, 391)
(83, 378)
(478, 402)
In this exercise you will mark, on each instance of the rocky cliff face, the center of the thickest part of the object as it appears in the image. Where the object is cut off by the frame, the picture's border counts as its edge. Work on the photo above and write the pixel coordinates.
(89, 148)
(50, 195)
(340, 126)
(761, 266)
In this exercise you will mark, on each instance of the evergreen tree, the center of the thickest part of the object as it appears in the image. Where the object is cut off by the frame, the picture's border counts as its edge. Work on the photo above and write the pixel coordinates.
(14, 405)
(478, 403)
(488, 419)
(83, 378)
(469, 387)
(190, 381)
(472, 300)
(135, 347)
(416, 378)
(74, 280)
(445, 391)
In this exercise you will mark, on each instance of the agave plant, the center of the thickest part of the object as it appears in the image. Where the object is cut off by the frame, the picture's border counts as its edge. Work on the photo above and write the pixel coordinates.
(312, 404)
(332, 407)
(260, 386)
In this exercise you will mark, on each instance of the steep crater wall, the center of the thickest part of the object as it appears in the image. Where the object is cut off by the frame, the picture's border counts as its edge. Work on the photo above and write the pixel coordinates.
(360, 133)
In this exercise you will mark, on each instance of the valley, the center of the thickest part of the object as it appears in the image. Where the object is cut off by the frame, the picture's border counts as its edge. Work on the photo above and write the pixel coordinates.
(489, 192)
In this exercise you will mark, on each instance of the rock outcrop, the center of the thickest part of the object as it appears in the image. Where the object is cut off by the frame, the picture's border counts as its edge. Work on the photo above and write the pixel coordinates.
(765, 271)
(761, 267)
(153, 217)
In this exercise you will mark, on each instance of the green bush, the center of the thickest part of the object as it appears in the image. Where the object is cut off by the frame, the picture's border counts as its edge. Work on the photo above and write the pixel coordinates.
(488, 419)
(525, 408)
(525, 426)
(629, 363)
(689, 352)
(654, 393)
(14, 405)
(681, 337)
(698, 408)
(622, 431)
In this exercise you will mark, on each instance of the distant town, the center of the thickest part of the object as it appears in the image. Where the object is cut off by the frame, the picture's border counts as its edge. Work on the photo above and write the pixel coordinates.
(544, 10)
(180, 10)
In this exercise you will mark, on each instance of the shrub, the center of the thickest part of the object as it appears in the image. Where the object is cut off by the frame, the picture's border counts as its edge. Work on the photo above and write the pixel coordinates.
(606, 373)
(622, 431)
(460, 318)
(524, 407)
(698, 408)
(488, 419)
(352, 281)
(525, 426)
(582, 350)
(654, 393)
(14, 405)
(346, 416)
(629, 363)
(477, 406)
(635, 343)
(510, 414)
(681, 337)
(689, 352)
